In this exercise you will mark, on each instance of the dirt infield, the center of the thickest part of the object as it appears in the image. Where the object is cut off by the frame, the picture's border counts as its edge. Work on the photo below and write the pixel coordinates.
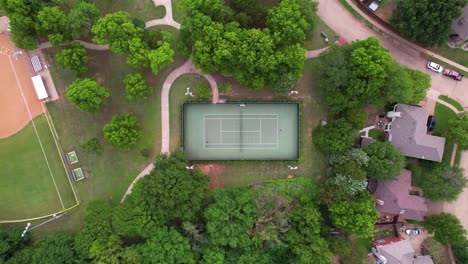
(15, 114)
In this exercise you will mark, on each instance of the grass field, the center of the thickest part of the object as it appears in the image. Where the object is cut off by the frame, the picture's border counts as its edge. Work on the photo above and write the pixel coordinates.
(316, 40)
(443, 115)
(27, 188)
(312, 163)
(451, 101)
(176, 99)
(439, 252)
(142, 9)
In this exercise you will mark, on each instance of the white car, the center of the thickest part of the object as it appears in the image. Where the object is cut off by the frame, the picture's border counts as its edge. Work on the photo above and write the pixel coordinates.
(434, 66)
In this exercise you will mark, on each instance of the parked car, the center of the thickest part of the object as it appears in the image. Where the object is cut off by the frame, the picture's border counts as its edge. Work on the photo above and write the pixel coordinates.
(431, 121)
(434, 66)
(453, 74)
(413, 231)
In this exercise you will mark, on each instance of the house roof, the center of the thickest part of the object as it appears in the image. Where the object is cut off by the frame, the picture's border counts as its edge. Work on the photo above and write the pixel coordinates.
(461, 28)
(409, 135)
(366, 141)
(397, 200)
(401, 252)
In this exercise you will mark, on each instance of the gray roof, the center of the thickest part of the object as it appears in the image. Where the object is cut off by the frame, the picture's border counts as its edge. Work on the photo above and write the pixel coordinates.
(366, 141)
(461, 28)
(409, 134)
(402, 252)
(396, 197)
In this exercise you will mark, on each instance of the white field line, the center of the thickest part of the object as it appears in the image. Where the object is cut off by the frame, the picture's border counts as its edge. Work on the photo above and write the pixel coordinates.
(37, 135)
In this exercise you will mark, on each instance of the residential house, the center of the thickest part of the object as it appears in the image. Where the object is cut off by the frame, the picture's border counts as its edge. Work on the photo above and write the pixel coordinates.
(393, 198)
(407, 131)
(397, 251)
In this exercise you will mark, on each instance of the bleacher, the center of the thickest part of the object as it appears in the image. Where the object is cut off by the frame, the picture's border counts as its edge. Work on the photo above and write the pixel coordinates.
(36, 63)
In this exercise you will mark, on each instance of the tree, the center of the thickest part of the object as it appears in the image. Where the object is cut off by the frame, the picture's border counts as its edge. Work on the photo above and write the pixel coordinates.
(334, 137)
(92, 145)
(386, 162)
(52, 20)
(109, 251)
(160, 57)
(304, 236)
(73, 58)
(138, 53)
(357, 117)
(80, 19)
(203, 90)
(136, 87)
(225, 88)
(56, 248)
(442, 182)
(287, 23)
(122, 131)
(230, 217)
(96, 227)
(117, 30)
(356, 216)
(87, 95)
(458, 131)
(171, 192)
(426, 21)
(446, 229)
(167, 246)
(420, 83)
(10, 242)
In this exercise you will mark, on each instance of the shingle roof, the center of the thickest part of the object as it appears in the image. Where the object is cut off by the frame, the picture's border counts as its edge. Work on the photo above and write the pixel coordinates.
(396, 198)
(402, 252)
(366, 141)
(461, 28)
(409, 135)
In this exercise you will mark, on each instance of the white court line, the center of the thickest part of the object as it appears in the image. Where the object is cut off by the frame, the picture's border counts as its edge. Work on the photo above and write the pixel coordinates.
(242, 114)
(37, 135)
(225, 144)
(221, 131)
(260, 131)
(245, 148)
(238, 131)
(235, 118)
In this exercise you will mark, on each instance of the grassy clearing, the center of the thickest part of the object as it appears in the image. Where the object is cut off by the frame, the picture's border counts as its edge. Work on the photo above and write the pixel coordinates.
(451, 101)
(142, 9)
(439, 252)
(27, 188)
(443, 116)
(316, 41)
(176, 99)
(108, 175)
(457, 55)
(177, 13)
(312, 163)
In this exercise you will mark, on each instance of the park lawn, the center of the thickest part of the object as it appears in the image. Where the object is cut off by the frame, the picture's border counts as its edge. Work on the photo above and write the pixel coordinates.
(312, 163)
(142, 9)
(108, 175)
(27, 188)
(315, 40)
(452, 101)
(177, 13)
(176, 99)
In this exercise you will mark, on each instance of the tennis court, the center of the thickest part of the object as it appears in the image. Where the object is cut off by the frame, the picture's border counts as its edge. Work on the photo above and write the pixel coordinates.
(241, 131)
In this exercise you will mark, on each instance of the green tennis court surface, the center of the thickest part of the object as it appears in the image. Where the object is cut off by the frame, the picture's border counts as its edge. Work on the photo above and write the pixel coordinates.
(241, 131)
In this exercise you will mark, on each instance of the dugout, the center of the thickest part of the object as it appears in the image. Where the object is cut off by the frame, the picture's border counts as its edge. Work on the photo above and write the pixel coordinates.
(39, 87)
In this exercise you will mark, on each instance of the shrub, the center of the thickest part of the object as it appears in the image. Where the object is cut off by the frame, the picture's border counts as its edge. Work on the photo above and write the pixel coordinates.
(225, 88)
(357, 117)
(122, 131)
(91, 145)
(203, 90)
(136, 87)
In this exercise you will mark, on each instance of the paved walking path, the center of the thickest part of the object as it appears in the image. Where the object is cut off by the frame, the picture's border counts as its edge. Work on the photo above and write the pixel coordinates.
(366, 130)
(440, 101)
(167, 19)
(310, 54)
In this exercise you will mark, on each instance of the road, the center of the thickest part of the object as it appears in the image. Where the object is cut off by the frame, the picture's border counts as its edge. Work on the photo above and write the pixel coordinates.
(346, 25)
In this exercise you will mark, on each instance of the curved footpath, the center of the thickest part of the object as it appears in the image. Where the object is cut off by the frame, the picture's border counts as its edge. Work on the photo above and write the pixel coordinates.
(167, 19)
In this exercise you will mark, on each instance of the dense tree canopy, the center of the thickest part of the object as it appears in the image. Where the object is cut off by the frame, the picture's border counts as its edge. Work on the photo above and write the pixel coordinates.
(136, 87)
(232, 39)
(122, 131)
(446, 229)
(386, 162)
(458, 131)
(73, 58)
(10, 242)
(426, 21)
(167, 246)
(80, 19)
(56, 248)
(87, 94)
(335, 137)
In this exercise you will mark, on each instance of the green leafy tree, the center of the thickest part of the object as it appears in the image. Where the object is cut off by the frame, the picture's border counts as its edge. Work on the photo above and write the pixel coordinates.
(340, 245)
(356, 216)
(138, 53)
(386, 162)
(117, 30)
(225, 88)
(335, 137)
(52, 20)
(160, 57)
(136, 87)
(420, 83)
(10, 242)
(357, 117)
(304, 236)
(446, 229)
(109, 251)
(122, 131)
(287, 23)
(92, 145)
(73, 58)
(203, 90)
(80, 19)
(442, 183)
(426, 21)
(167, 246)
(96, 227)
(87, 95)
(230, 217)
(56, 248)
(458, 131)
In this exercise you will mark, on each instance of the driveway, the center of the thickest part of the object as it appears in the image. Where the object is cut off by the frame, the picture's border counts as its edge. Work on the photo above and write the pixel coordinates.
(346, 25)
